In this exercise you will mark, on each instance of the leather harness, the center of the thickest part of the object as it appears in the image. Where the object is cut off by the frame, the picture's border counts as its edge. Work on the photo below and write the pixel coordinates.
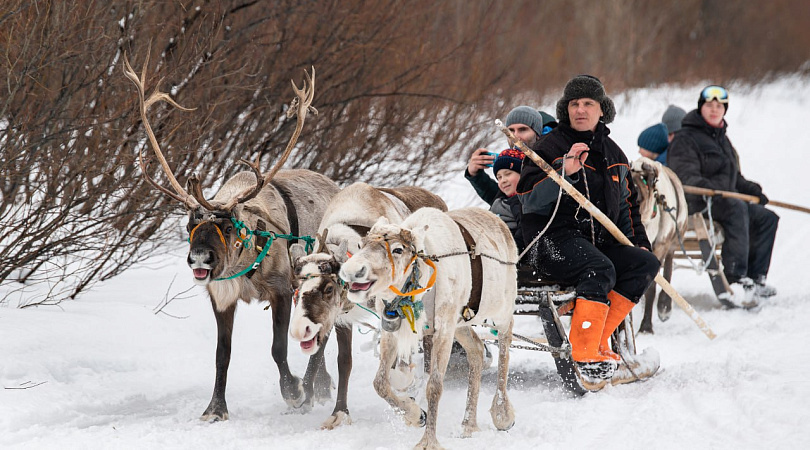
(477, 269)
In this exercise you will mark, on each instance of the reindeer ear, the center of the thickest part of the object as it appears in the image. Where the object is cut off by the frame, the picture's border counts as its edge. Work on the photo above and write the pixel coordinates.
(381, 221)
(297, 251)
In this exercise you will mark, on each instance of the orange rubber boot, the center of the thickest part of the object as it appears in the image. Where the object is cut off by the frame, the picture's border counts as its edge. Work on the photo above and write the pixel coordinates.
(620, 307)
(587, 324)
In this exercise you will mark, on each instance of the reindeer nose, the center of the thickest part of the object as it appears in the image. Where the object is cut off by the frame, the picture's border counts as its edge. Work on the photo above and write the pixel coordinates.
(200, 255)
(360, 273)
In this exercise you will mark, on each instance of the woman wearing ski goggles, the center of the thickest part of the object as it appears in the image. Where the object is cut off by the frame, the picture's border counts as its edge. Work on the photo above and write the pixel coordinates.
(701, 154)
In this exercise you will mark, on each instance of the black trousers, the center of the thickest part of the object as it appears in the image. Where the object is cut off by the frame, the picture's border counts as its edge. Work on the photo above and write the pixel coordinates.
(749, 231)
(568, 257)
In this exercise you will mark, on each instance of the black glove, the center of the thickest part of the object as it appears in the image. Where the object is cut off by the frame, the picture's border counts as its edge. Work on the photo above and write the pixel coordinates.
(763, 200)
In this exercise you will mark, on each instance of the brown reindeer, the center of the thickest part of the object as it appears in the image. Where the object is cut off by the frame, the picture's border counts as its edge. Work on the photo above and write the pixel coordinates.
(320, 300)
(234, 251)
(663, 212)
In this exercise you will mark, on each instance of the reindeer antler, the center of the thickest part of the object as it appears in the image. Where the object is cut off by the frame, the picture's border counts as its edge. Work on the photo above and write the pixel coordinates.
(300, 106)
(179, 193)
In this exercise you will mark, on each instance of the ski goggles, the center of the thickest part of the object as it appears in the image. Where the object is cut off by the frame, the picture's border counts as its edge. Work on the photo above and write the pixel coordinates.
(718, 93)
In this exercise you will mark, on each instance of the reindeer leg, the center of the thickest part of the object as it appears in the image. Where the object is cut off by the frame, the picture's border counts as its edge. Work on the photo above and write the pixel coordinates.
(323, 383)
(442, 346)
(646, 322)
(315, 365)
(503, 414)
(292, 390)
(217, 409)
(475, 358)
(664, 300)
(340, 415)
(413, 414)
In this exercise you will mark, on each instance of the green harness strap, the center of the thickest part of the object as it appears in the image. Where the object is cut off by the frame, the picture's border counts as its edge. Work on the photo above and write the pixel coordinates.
(271, 236)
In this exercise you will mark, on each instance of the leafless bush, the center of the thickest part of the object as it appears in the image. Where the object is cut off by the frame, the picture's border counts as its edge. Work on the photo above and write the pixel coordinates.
(392, 77)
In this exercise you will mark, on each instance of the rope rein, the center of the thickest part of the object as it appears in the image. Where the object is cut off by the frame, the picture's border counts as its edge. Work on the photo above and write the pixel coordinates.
(246, 238)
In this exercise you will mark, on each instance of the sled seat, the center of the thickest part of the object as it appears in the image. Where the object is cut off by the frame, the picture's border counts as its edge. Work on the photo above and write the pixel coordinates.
(535, 293)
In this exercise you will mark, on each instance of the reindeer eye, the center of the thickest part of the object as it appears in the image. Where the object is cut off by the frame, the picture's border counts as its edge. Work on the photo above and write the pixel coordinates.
(228, 229)
(397, 251)
(329, 290)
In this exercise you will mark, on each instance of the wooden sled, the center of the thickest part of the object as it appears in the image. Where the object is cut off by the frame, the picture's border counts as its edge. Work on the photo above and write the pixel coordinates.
(550, 301)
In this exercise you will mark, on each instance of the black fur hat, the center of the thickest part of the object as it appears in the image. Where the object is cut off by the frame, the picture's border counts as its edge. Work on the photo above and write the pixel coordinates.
(585, 86)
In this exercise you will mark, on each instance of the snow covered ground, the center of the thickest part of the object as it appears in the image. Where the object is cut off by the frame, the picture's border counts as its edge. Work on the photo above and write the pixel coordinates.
(107, 372)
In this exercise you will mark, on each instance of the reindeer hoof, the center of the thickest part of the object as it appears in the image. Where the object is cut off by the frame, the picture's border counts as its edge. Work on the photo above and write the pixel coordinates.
(298, 397)
(217, 410)
(337, 419)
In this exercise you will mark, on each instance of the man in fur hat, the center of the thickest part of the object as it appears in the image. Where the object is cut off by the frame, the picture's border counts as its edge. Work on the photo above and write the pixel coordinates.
(576, 249)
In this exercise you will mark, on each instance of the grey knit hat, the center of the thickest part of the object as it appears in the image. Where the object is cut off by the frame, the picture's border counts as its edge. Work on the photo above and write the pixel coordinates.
(672, 118)
(585, 86)
(527, 116)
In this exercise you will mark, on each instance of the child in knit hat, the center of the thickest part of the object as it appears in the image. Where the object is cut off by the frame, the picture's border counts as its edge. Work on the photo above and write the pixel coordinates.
(653, 143)
(506, 205)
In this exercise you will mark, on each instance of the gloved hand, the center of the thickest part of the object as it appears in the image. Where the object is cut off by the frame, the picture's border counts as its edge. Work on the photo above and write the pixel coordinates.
(763, 200)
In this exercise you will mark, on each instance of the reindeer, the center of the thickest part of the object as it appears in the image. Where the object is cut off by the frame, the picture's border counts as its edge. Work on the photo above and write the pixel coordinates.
(433, 249)
(233, 252)
(320, 300)
(664, 214)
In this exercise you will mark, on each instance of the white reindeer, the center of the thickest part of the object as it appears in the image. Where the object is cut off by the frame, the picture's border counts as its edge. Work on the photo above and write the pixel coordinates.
(320, 300)
(664, 213)
(429, 250)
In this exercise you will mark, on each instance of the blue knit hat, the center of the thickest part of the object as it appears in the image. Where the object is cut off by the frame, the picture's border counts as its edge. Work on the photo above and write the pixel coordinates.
(654, 138)
(508, 159)
(527, 116)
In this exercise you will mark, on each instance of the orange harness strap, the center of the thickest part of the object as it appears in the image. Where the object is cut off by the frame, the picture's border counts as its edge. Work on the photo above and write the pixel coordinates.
(219, 232)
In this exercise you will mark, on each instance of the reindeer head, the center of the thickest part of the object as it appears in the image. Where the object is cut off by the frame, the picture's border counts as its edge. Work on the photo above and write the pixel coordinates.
(319, 296)
(645, 174)
(382, 261)
(214, 227)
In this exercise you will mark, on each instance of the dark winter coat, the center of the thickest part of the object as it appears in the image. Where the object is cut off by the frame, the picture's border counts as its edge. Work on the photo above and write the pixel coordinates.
(702, 155)
(484, 186)
(509, 210)
(607, 173)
